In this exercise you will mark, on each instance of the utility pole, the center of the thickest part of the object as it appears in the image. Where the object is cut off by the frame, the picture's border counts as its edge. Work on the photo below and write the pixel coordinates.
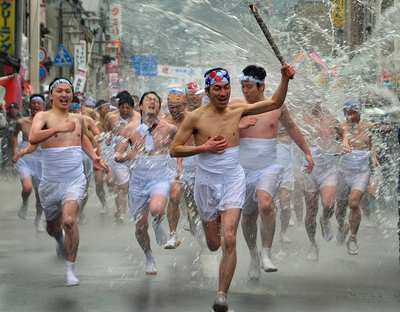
(34, 42)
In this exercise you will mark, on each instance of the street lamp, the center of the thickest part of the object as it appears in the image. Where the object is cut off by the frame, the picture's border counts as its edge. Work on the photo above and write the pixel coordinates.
(74, 35)
(97, 61)
(93, 21)
(112, 49)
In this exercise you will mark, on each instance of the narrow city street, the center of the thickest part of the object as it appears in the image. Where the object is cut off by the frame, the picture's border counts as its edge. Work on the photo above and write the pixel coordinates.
(110, 266)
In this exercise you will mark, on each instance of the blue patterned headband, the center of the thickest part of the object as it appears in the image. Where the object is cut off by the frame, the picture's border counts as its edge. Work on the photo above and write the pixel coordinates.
(217, 76)
(59, 81)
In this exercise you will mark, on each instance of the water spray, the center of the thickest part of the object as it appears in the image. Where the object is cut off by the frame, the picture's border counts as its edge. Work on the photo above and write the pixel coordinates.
(267, 34)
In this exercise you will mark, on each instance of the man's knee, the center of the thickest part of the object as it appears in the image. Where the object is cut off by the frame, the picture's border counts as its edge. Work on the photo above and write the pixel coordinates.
(69, 222)
(229, 240)
(266, 207)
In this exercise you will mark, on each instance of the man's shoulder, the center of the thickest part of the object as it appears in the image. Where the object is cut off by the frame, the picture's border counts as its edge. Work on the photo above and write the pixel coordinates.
(238, 101)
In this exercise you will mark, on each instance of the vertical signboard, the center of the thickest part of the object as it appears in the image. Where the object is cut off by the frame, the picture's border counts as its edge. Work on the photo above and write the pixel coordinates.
(115, 20)
(337, 13)
(7, 26)
(80, 55)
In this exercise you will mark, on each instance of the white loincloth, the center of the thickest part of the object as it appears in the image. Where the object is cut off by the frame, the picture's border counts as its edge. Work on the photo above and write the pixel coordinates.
(30, 165)
(219, 183)
(324, 172)
(63, 179)
(258, 157)
(257, 153)
(87, 166)
(189, 168)
(353, 173)
(284, 152)
(149, 177)
(62, 164)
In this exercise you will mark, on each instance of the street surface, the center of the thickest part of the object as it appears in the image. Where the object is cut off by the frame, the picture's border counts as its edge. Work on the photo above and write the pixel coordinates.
(110, 266)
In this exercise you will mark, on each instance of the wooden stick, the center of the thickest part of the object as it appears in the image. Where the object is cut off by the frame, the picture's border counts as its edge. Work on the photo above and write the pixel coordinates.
(267, 34)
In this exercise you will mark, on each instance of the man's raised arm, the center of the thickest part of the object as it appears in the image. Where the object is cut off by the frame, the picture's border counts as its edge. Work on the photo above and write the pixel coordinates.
(277, 99)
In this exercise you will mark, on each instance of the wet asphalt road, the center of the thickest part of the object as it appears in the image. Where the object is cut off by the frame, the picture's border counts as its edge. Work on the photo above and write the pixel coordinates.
(110, 266)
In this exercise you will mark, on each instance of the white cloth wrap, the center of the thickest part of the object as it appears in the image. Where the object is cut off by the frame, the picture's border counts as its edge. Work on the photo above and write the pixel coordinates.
(87, 166)
(284, 152)
(257, 153)
(149, 177)
(354, 173)
(324, 172)
(355, 162)
(189, 167)
(219, 183)
(62, 164)
(30, 165)
(120, 171)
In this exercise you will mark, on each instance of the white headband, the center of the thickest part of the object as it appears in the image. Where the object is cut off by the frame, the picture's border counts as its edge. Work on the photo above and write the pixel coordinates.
(37, 98)
(60, 81)
(101, 106)
(243, 77)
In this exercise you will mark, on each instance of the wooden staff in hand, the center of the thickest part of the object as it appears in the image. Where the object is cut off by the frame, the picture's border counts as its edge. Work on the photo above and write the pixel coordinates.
(267, 35)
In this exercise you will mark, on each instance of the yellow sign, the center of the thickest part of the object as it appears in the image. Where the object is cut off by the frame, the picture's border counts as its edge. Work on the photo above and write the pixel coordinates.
(7, 26)
(337, 13)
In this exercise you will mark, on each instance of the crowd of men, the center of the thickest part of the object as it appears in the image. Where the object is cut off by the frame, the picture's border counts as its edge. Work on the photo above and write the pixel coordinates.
(228, 159)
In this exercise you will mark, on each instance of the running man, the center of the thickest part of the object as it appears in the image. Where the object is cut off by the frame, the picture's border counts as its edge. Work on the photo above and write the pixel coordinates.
(63, 183)
(258, 157)
(29, 165)
(182, 176)
(220, 181)
(324, 135)
(146, 143)
(193, 99)
(103, 108)
(115, 123)
(353, 174)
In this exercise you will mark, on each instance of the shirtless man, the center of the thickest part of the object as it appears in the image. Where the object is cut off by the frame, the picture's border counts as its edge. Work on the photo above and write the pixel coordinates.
(93, 133)
(29, 165)
(103, 108)
(258, 157)
(182, 175)
(324, 135)
(115, 123)
(353, 174)
(286, 187)
(220, 181)
(149, 139)
(193, 100)
(63, 183)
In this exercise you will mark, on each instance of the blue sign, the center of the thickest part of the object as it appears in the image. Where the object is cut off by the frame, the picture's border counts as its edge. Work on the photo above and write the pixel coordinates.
(63, 58)
(145, 65)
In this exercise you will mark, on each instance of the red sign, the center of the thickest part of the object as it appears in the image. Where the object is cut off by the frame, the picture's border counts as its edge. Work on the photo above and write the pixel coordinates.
(114, 64)
(113, 77)
(42, 55)
(10, 90)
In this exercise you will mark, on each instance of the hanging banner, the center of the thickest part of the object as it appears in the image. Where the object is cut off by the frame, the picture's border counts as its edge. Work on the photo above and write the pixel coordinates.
(115, 20)
(80, 55)
(7, 26)
(10, 90)
(180, 72)
(80, 80)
